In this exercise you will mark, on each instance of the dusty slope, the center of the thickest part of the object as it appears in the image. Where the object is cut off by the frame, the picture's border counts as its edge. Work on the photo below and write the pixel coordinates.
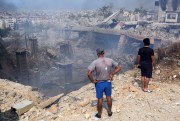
(129, 102)
(12, 93)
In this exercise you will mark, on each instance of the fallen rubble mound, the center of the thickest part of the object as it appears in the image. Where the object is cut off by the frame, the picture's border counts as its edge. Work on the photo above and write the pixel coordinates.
(129, 102)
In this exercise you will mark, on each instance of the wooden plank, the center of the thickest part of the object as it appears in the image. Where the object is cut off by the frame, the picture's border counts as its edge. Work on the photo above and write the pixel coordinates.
(50, 101)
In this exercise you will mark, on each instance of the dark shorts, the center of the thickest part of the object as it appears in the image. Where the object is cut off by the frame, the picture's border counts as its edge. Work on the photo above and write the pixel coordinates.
(146, 69)
(105, 87)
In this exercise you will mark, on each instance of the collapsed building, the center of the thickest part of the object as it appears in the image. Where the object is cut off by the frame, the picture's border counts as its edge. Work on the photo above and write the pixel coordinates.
(56, 61)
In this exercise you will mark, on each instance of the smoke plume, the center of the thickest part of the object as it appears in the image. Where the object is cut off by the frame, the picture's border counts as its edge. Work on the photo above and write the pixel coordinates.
(81, 4)
(4, 6)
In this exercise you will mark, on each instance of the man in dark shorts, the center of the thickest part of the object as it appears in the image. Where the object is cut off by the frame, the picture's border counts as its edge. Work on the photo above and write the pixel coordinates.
(146, 61)
(104, 75)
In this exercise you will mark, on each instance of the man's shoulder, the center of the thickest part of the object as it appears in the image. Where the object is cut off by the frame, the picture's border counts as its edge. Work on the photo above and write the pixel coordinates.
(92, 65)
(96, 60)
(109, 59)
(150, 49)
(145, 48)
(100, 59)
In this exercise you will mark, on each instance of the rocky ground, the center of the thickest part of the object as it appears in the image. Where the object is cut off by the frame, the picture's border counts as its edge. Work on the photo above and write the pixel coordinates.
(130, 103)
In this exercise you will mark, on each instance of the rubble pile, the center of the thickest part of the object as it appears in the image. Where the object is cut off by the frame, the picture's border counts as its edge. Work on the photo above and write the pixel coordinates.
(156, 30)
(53, 31)
(129, 101)
(11, 93)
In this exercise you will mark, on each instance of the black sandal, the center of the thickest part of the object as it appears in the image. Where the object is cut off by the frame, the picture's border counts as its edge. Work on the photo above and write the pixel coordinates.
(98, 116)
(110, 114)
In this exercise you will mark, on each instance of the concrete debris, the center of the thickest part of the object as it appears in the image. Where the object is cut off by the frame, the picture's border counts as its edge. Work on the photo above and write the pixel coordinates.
(87, 116)
(22, 107)
(135, 84)
(125, 97)
(51, 53)
(53, 109)
(79, 29)
(50, 101)
(65, 37)
(84, 102)
(1, 101)
(157, 72)
(178, 104)
(83, 110)
(174, 76)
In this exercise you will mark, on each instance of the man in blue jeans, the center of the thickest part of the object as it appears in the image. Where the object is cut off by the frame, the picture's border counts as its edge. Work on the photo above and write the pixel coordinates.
(104, 75)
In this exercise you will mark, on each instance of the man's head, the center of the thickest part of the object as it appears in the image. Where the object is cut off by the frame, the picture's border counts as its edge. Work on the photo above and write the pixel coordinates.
(100, 52)
(146, 41)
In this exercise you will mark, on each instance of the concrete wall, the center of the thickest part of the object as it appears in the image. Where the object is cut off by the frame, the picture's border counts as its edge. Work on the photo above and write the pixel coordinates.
(170, 5)
(172, 17)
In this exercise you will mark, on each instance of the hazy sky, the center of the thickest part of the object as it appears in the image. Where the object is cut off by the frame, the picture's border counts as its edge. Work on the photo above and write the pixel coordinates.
(80, 4)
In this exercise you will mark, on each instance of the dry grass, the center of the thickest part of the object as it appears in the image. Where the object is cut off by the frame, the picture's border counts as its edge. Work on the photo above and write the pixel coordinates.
(172, 50)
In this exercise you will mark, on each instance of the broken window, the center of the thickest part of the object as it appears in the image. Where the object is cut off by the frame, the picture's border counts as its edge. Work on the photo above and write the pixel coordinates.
(171, 16)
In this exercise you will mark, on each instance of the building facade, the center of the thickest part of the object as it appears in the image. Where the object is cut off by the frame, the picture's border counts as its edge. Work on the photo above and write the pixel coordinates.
(168, 11)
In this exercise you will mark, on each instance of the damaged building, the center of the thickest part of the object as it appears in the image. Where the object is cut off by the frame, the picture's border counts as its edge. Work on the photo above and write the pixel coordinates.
(168, 11)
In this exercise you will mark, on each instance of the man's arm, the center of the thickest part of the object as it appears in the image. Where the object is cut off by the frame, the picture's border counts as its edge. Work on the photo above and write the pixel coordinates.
(116, 70)
(138, 60)
(91, 77)
(153, 60)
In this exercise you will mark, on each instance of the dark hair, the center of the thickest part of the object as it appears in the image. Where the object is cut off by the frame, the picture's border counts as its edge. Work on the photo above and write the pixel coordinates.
(100, 51)
(146, 41)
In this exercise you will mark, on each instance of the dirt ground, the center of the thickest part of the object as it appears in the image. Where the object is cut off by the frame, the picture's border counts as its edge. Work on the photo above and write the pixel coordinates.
(130, 103)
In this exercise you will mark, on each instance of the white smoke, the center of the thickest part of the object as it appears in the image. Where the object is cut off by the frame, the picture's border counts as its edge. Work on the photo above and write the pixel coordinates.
(82, 4)
(4, 5)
